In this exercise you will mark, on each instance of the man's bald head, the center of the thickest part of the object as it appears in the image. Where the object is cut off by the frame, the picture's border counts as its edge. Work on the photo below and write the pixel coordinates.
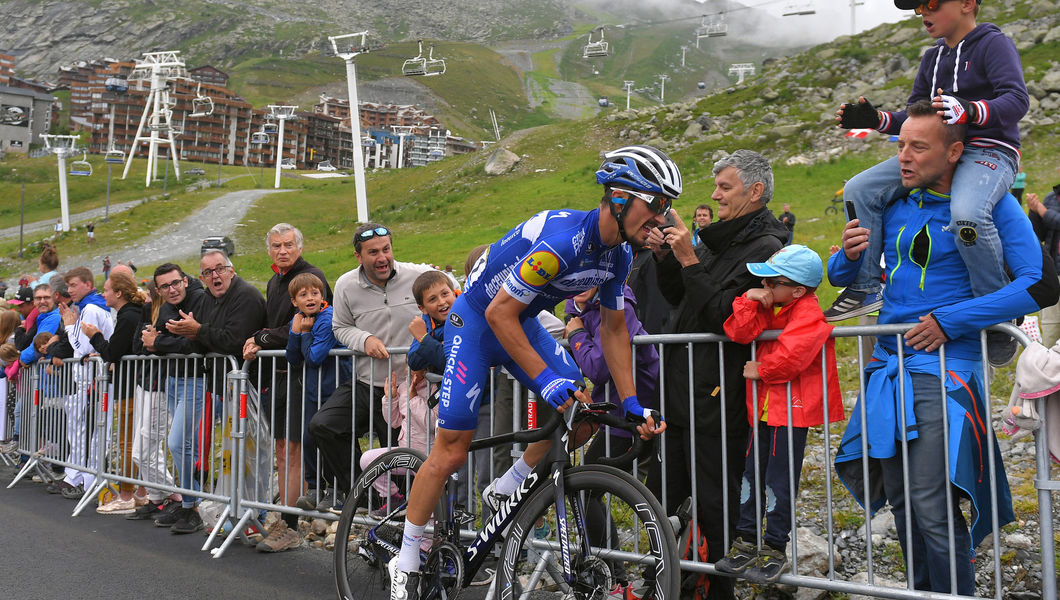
(123, 269)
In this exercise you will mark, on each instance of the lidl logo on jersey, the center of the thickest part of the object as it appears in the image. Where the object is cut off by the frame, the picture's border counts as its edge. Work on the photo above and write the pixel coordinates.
(539, 268)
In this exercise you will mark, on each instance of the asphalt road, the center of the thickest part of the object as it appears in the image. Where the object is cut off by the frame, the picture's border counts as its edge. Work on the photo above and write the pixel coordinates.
(44, 553)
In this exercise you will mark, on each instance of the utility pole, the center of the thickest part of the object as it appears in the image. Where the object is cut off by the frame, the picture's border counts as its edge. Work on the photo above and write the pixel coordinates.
(662, 88)
(628, 86)
(351, 49)
(280, 113)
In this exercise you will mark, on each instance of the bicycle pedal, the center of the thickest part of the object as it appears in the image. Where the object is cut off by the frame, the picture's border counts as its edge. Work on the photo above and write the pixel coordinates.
(463, 517)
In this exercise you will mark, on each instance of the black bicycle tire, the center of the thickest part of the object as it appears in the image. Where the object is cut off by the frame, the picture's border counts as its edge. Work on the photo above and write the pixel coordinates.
(409, 459)
(831, 210)
(591, 478)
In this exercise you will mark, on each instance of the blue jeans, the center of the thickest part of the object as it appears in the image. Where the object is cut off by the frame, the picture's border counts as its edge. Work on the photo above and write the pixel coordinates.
(928, 478)
(774, 484)
(185, 396)
(982, 178)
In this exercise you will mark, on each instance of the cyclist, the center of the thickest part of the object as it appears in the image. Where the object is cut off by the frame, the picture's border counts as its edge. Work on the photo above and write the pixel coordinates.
(554, 255)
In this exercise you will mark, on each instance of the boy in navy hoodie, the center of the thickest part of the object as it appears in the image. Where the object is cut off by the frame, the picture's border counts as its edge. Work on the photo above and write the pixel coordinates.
(973, 74)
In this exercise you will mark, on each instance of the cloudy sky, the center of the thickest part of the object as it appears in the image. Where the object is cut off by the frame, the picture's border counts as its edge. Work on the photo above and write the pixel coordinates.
(832, 17)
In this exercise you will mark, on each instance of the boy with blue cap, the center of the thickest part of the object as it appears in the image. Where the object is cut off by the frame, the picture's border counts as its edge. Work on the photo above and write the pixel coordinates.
(786, 301)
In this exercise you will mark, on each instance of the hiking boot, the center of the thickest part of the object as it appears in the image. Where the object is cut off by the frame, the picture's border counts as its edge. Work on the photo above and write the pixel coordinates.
(681, 518)
(1001, 348)
(770, 564)
(852, 303)
(739, 557)
(491, 499)
(72, 492)
(188, 521)
(281, 537)
(331, 501)
(56, 487)
(169, 515)
(403, 586)
(395, 504)
(307, 501)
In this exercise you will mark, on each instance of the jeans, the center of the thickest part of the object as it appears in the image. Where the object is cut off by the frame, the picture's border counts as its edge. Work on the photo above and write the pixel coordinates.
(982, 178)
(774, 485)
(185, 397)
(928, 478)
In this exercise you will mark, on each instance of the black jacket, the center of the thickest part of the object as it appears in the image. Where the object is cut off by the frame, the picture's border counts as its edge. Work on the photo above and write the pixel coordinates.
(278, 308)
(226, 323)
(703, 294)
(126, 329)
(1048, 227)
(168, 343)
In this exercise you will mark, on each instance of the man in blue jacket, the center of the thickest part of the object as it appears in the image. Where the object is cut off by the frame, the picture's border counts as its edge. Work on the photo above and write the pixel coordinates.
(928, 283)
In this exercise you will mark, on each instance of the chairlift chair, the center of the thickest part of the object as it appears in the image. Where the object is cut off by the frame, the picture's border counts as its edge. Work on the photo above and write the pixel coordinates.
(259, 138)
(799, 8)
(201, 105)
(433, 66)
(114, 157)
(270, 126)
(597, 48)
(81, 167)
(415, 66)
(116, 84)
(712, 27)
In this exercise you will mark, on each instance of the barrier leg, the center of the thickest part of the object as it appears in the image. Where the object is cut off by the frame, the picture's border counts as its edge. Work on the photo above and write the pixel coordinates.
(221, 520)
(96, 487)
(236, 532)
(33, 463)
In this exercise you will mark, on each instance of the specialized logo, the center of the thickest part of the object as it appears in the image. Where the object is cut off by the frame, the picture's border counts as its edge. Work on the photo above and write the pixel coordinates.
(987, 164)
(455, 320)
(539, 268)
(496, 524)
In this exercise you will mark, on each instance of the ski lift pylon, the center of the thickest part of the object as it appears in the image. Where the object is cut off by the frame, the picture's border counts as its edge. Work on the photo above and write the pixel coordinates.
(81, 167)
(201, 105)
(598, 48)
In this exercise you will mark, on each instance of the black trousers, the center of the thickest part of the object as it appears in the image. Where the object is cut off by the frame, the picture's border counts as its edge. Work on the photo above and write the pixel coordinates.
(710, 495)
(352, 411)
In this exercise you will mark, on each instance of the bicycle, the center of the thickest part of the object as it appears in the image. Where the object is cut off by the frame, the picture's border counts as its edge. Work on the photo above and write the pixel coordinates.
(548, 547)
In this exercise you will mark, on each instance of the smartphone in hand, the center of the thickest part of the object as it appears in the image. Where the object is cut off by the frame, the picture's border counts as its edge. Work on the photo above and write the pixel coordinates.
(851, 213)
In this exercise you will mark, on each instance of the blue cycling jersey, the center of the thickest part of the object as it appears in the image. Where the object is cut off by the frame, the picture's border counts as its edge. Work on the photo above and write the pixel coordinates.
(555, 255)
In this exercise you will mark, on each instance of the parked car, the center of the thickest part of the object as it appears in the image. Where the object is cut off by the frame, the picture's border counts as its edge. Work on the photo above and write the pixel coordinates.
(287, 163)
(195, 171)
(325, 165)
(218, 242)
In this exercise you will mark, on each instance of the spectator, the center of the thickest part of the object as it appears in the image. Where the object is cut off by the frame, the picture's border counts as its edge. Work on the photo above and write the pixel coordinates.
(703, 283)
(1045, 218)
(48, 263)
(787, 219)
(310, 339)
(373, 305)
(973, 76)
(90, 231)
(122, 295)
(80, 410)
(48, 320)
(930, 285)
(284, 245)
(1019, 183)
(530, 269)
(106, 266)
(786, 301)
(184, 390)
(58, 228)
(703, 217)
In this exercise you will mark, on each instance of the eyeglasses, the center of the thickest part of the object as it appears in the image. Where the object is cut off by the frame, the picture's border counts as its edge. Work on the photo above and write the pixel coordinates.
(772, 282)
(658, 204)
(176, 283)
(368, 234)
(931, 5)
(208, 273)
(41, 298)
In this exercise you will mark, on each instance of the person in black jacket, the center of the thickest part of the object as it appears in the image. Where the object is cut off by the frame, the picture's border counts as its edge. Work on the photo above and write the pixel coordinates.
(702, 283)
(122, 295)
(1045, 217)
(290, 421)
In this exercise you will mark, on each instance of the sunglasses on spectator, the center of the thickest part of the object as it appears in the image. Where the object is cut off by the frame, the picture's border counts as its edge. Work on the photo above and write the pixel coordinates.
(41, 298)
(658, 204)
(208, 273)
(368, 234)
(772, 282)
(931, 5)
(175, 283)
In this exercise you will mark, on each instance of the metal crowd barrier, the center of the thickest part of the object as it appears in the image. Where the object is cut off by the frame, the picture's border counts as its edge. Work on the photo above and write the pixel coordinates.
(235, 468)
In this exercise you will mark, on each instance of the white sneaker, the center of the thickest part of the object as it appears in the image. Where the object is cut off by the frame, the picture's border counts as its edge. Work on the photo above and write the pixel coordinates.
(403, 586)
(491, 499)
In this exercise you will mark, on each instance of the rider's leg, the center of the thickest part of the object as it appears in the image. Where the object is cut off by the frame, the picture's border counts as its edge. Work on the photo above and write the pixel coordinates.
(447, 455)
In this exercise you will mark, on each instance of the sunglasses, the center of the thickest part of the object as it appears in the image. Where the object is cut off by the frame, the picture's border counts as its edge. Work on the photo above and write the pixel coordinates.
(659, 204)
(931, 5)
(368, 234)
(772, 282)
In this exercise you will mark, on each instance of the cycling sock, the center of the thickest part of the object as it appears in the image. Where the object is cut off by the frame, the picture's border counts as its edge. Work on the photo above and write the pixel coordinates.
(409, 558)
(511, 479)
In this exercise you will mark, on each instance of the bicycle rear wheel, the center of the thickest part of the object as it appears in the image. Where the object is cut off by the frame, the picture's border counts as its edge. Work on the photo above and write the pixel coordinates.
(632, 546)
(369, 531)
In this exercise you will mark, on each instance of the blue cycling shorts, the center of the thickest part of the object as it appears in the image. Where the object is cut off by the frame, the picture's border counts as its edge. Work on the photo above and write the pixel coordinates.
(471, 349)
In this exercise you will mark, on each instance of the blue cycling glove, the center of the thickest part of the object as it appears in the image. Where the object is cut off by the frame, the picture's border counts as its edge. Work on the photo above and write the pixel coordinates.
(633, 408)
(554, 389)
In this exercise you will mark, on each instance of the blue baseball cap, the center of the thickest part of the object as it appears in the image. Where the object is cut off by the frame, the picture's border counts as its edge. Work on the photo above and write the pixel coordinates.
(796, 262)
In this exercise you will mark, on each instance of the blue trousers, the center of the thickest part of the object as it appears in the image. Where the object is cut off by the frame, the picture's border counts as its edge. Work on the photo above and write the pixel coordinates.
(982, 178)
(185, 396)
(774, 484)
(928, 478)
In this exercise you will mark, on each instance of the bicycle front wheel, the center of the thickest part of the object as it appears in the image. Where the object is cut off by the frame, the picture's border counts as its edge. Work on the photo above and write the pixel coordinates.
(632, 551)
(369, 531)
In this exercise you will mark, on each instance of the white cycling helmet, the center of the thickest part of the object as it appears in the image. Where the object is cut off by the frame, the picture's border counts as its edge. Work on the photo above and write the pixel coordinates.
(641, 168)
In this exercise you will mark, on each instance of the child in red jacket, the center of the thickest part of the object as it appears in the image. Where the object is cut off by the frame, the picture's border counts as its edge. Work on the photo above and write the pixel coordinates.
(786, 301)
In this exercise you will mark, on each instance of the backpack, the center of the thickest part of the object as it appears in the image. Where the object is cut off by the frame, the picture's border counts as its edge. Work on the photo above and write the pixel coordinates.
(692, 545)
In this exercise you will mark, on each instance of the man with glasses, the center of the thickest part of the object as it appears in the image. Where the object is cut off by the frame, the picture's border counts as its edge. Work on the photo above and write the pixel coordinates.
(553, 256)
(702, 282)
(48, 320)
(910, 412)
(373, 307)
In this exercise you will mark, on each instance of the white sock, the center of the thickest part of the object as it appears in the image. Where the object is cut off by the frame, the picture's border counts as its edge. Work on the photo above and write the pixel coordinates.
(511, 479)
(409, 558)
